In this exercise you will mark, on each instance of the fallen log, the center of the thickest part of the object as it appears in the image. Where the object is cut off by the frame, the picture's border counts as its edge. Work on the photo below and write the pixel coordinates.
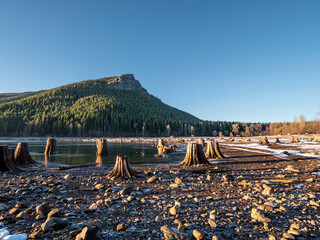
(77, 166)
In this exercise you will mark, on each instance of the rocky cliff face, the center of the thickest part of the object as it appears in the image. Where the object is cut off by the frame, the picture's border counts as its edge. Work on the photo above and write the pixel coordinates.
(126, 82)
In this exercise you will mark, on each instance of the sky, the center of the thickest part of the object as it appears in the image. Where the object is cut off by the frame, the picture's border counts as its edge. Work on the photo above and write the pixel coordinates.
(230, 60)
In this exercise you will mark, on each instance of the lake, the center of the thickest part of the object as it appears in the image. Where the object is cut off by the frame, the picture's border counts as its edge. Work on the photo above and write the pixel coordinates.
(74, 152)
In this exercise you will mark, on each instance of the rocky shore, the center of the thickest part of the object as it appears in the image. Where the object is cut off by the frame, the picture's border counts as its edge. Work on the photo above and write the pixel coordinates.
(248, 195)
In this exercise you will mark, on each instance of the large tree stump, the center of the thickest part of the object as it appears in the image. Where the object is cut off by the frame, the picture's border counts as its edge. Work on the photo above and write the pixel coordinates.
(218, 151)
(7, 162)
(293, 140)
(22, 155)
(102, 147)
(201, 142)
(122, 169)
(264, 140)
(210, 150)
(194, 155)
(51, 147)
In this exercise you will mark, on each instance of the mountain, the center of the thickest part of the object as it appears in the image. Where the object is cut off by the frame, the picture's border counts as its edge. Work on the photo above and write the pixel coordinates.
(114, 106)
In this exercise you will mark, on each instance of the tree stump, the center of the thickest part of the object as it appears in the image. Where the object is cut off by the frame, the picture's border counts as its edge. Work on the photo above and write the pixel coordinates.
(7, 162)
(51, 147)
(122, 169)
(277, 140)
(99, 161)
(293, 140)
(194, 155)
(162, 148)
(210, 150)
(264, 140)
(218, 151)
(201, 142)
(22, 155)
(102, 147)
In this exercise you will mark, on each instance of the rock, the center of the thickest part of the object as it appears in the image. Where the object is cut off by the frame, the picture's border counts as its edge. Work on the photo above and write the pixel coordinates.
(126, 191)
(3, 207)
(267, 190)
(271, 237)
(54, 213)
(178, 181)
(198, 234)
(22, 236)
(36, 233)
(215, 238)
(121, 227)
(152, 179)
(14, 211)
(173, 211)
(21, 205)
(212, 223)
(22, 215)
(170, 233)
(227, 178)
(258, 215)
(99, 186)
(89, 233)
(43, 208)
(54, 223)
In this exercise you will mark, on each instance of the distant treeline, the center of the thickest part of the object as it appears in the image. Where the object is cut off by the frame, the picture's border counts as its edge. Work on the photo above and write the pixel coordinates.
(91, 108)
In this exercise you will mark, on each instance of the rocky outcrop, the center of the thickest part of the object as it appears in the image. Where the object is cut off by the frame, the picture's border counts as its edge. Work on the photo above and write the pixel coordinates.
(126, 82)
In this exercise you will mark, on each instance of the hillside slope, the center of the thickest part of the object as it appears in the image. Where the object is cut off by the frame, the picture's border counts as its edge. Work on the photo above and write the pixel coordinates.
(109, 106)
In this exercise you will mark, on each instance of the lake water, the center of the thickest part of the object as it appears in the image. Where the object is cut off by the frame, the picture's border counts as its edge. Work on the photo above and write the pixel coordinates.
(73, 153)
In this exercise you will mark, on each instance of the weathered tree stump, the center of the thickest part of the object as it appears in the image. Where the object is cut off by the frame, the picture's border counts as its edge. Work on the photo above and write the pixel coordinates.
(99, 161)
(162, 148)
(102, 147)
(264, 140)
(122, 169)
(293, 140)
(51, 147)
(201, 142)
(218, 151)
(210, 150)
(277, 140)
(194, 155)
(7, 162)
(22, 155)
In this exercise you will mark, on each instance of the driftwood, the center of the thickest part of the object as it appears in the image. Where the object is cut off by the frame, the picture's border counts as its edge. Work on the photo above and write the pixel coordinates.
(218, 151)
(210, 150)
(51, 147)
(194, 155)
(77, 166)
(7, 162)
(122, 169)
(22, 155)
(102, 147)
(264, 140)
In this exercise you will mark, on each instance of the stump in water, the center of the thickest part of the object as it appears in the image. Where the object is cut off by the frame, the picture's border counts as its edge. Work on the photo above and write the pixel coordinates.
(122, 169)
(102, 147)
(51, 147)
(194, 155)
(210, 150)
(99, 161)
(277, 140)
(264, 140)
(22, 155)
(218, 151)
(7, 162)
(163, 149)
(293, 140)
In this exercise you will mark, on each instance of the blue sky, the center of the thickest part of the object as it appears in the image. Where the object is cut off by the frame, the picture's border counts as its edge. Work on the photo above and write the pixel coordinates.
(252, 61)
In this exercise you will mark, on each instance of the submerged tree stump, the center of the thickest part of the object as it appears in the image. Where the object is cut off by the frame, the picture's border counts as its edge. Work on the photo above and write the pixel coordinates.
(99, 161)
(264, 140)
(210, 150)
(7, 162)
(122, 169)
(102, 147)
(194, 155)
(22, 155)
(51, 147)
(218, 151)
(162, 148)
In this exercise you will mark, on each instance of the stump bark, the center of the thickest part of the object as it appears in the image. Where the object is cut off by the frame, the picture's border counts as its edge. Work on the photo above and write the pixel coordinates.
(7, 162)
(264, 141)
(51, 147)
(122, 169)
(210, 150)
(201, 142)
(218, 151)
(99, 161)
(194, 155)
(102, 147)
(22, 155)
